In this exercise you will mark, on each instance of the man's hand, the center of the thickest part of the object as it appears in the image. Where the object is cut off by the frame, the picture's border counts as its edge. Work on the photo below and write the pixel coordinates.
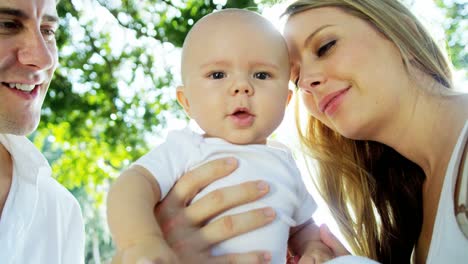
(148, 250)
(185, 226)
(316, 252)
(332, 242)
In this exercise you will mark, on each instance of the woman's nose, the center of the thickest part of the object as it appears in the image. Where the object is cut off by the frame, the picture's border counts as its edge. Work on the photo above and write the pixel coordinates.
(310, 82)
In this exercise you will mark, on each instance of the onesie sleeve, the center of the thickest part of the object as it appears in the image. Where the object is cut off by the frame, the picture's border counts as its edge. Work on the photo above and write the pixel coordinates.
(168, 161)
(307, 205)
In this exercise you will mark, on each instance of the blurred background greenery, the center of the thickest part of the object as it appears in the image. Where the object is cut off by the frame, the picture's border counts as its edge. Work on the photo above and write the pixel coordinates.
(113, 92)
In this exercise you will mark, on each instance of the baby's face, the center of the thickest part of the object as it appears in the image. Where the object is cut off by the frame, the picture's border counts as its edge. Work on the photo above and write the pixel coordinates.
(236, 76)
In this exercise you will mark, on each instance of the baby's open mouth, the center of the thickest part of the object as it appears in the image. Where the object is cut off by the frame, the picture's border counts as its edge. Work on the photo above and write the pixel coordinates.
(242, 114)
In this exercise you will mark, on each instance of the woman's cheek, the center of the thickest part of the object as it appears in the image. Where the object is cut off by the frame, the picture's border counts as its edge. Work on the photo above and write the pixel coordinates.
(309, 102)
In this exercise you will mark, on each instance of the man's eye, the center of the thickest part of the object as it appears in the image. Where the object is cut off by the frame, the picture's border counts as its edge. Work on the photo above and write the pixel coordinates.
(325, 48)
(217, 75)
(9, 26)
(262, 75)
(48, 33)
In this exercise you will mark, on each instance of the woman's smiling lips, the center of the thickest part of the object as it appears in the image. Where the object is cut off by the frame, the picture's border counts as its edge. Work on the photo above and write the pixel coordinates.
(330, 102)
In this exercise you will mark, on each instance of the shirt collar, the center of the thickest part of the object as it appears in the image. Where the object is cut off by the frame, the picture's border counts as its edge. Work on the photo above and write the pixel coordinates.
(26, 157)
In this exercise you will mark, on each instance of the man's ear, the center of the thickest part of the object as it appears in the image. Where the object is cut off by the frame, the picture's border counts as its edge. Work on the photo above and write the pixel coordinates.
(182, 100)
(290, 94)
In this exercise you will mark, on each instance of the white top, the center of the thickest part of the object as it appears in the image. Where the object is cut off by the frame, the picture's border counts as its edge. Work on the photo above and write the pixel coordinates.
(41, 221)
(349, 259)
(448, 244)
(184, 150)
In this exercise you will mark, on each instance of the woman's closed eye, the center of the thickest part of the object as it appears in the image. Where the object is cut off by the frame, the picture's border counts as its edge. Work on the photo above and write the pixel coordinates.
(262, 75)
(323, 50)
(217, 75)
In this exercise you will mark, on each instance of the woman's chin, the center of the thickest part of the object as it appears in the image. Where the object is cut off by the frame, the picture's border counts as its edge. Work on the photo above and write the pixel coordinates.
(351, 132)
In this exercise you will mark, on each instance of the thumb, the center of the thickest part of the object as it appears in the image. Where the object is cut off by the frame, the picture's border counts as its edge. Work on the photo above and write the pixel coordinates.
(332, 242)
(147, 261)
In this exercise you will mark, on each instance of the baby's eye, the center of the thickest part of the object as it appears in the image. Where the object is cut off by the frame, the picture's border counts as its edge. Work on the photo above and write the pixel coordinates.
(262, 75)
(217, 75)
(325, 48)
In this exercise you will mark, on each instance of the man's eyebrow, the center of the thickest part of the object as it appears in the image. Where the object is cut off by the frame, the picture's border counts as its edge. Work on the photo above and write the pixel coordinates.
(50, 18)
(13, 12)
(20, 14)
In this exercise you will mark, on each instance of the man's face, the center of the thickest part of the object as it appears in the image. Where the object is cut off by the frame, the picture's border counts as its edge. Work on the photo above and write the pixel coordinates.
(28, 58)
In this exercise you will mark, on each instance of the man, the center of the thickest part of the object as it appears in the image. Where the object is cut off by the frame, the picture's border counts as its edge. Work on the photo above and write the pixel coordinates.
(40, 221)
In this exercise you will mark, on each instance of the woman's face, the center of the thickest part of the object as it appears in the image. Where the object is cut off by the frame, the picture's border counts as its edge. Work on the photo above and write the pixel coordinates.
(351, 77)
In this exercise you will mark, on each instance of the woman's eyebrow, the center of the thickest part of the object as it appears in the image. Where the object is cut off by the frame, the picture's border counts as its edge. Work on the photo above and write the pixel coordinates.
(312, 35)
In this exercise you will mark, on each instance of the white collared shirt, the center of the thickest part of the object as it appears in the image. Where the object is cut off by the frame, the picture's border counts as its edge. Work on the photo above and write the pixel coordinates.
(41, 221)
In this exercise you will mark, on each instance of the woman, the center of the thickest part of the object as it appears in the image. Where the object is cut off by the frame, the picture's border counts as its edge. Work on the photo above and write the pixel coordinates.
(379, 92)
(384, 125)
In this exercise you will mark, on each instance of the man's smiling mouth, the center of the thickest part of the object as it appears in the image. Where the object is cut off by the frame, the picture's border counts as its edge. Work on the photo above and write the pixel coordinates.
(21, 86)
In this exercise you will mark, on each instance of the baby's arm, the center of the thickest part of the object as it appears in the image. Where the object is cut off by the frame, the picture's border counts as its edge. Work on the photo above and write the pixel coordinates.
(304, 241)
(130, 206)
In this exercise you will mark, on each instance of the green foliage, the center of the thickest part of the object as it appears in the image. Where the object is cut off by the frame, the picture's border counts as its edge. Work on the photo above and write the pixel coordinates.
(109, 93)
(456, 28)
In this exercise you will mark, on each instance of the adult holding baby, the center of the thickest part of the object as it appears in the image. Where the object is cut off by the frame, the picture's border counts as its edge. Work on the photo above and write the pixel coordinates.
(387, 128)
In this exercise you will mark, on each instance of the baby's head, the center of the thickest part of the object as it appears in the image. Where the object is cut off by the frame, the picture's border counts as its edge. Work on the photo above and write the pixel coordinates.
(235, 74)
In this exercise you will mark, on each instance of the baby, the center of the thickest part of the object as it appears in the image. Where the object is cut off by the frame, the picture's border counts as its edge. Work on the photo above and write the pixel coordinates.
(235, 74)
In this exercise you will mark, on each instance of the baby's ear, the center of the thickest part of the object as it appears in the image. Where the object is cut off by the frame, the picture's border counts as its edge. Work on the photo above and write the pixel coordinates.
(182, 100)
(290, 94)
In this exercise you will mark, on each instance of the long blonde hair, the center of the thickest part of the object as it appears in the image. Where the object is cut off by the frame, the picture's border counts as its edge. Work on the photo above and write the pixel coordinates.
(373, 192)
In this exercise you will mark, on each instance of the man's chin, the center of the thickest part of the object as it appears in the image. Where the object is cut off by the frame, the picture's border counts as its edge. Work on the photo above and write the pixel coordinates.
(19, 130)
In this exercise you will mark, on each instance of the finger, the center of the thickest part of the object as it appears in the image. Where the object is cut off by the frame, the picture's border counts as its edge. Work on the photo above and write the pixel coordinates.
(147, 261)
(332, 242)
(192, 182)
(233, 225)
(252, 257)
(189, 185)
(293, 260)
(307, 260)
(221, 229)
(223, 199)
(117, 259)
(316, 258)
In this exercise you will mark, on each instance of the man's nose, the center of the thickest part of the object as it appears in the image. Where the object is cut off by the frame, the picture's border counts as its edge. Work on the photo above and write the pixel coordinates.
(37, 52)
